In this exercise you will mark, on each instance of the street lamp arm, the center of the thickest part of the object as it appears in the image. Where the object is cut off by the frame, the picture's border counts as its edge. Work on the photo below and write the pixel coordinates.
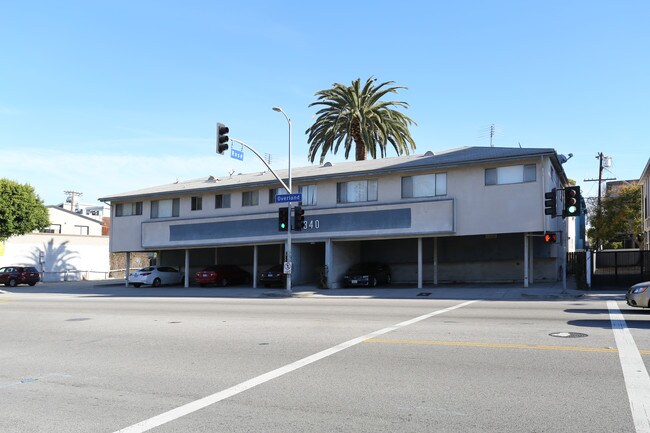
(265, 163)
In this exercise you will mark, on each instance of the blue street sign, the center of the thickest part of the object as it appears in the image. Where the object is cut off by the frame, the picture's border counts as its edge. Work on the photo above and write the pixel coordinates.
(237, 154)
(286, 198)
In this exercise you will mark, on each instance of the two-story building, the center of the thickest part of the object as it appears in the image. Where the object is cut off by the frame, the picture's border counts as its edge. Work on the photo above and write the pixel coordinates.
(473, 214)
(644, 181)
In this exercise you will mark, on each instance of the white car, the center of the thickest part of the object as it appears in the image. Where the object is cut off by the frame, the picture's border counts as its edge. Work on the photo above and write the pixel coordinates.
(155, 276)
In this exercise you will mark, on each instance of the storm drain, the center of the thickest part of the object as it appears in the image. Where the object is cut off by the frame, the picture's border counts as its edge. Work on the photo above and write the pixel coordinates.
(424, 294)
(567, 334)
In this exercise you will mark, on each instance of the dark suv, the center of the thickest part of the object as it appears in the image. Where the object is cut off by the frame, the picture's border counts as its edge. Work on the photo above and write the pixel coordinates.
(13, 275)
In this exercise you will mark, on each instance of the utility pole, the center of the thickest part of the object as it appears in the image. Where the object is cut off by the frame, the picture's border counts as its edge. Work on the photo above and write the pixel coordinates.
(71, 194)
(600, 179)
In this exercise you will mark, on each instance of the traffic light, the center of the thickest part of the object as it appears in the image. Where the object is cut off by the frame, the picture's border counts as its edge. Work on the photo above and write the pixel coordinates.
(222, 138)
(550, 238)
(299, 218)
(571, 201)
(550, 203)
(283, 219)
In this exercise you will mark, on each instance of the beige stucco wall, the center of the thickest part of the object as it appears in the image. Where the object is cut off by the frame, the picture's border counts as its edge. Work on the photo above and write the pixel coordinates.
(469, 208)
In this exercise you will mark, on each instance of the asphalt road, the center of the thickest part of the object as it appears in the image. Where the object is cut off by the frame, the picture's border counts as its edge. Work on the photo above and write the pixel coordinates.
(80, 361)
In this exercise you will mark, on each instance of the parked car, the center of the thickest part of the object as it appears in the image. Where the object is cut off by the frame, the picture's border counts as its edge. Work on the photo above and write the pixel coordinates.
(13, 275)
(367, 274)
(222, 275)
(639, 295)
(155, 276)
(273, 276)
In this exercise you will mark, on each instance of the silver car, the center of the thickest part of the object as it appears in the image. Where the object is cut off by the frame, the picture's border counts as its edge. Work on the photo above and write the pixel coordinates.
(155, 276)
(639, 295)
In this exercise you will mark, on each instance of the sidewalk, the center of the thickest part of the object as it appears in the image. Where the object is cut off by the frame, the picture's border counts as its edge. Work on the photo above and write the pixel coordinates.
(116, 288)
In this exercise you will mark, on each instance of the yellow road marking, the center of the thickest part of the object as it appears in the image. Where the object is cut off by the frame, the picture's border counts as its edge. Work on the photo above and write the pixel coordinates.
(499, 345)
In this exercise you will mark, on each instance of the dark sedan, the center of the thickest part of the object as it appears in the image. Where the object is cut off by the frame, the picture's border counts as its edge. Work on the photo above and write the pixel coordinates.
(222, 275)
(274, 276)
(13, 275)
(367, 275)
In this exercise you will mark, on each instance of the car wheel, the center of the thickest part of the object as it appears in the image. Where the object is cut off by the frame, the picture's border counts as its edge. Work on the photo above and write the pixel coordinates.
(156, 282)
(202, 285)
(388, 279)
(374, 281)
(136, 285)
(32, 284)
(12, 282)
(224, 282)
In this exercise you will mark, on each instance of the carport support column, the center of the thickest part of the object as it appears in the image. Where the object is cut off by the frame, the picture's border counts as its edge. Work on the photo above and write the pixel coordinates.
(127, 269)
(254, 266)
(419, 263)
(329, 270)
(186, 283)
(526, 249)
(435, 261)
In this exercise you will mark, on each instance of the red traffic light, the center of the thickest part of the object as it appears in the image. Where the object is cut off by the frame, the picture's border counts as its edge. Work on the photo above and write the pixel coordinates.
(550, 238)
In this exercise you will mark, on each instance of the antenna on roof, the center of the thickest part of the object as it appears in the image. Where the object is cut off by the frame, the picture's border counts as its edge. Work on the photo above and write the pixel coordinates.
(490, 131)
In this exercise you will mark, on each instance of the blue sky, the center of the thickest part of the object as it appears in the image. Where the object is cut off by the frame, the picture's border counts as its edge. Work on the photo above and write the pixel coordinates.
(104, 97)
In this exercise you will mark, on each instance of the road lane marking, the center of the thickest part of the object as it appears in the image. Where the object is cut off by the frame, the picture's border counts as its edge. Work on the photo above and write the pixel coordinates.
(204, 402)
(496, 345)
(637, 381)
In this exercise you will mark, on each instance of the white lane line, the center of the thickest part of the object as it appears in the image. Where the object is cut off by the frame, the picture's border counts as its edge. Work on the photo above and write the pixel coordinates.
(636, 376)
(222, 395)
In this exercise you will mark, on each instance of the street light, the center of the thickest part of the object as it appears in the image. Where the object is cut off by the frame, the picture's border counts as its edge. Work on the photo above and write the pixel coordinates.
(288, 259)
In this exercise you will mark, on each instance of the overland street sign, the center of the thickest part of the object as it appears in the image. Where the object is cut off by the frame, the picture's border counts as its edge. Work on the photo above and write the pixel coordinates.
(286, 198)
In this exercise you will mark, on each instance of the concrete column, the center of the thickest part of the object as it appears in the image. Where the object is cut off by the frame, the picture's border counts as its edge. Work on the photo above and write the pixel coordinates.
(187, 269)
(254, 266)
(329, 262)
(435, 261)
(526, 259)
(419, 263)
(531, 259)
(127, 269)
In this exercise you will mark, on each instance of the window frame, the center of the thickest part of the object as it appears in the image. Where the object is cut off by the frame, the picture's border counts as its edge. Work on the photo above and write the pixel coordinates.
(155, 208)
(409, 191)
(134, 208)
(196, 203)
(528, 174)
(223, 201)
(343, 193)
(254, 198)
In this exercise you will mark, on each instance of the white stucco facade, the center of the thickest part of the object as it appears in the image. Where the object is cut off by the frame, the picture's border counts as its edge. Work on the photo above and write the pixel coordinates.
(72, 248)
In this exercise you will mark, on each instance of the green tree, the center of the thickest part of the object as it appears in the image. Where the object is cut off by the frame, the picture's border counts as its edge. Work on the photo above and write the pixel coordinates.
(351, 113)
(21, 210)
(619, 218)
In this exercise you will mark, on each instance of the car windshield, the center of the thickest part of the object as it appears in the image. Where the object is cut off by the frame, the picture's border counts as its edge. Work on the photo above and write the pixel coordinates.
(362, 268)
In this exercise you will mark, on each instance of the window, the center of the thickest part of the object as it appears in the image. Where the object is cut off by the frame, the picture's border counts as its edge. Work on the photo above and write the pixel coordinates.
(250, 198)
(53, 228)
(128, 209)
(308, 195)
(82, 230)
(424, 185)
(165, 208)
(275, 191)
(356, 191)
(197, 203)
(511, 174)
(221, 201)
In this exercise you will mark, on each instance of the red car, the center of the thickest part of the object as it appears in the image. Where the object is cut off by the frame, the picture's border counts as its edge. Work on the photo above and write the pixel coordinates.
(13, 275)
(222, 275)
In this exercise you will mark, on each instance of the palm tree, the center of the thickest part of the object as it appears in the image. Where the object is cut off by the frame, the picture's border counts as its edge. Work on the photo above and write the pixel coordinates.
(351, 113)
